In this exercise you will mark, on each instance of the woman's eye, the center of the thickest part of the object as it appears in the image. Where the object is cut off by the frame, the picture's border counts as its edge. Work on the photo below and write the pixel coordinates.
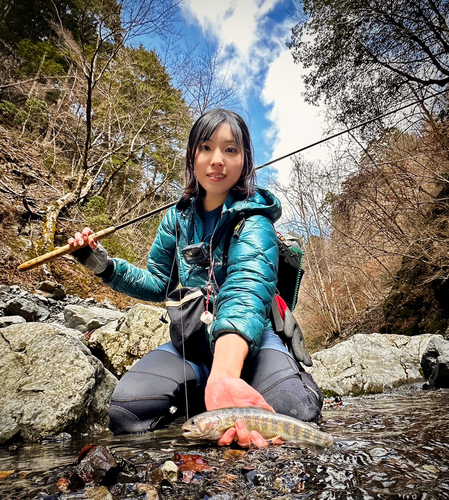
(231, 150)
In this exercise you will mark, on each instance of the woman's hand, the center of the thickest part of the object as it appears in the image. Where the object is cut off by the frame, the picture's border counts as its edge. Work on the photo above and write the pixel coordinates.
(224, 392)
(81, 238)
(242, 436)
(225, 388)
(93, 255)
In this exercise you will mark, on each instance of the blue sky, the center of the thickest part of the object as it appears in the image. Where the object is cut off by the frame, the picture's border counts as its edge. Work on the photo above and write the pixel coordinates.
(253, 36)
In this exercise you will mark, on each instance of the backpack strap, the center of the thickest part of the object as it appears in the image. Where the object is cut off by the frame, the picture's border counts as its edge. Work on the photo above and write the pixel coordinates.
(234, 231)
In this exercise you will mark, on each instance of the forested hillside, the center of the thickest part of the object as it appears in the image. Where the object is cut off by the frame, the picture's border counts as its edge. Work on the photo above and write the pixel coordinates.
(92, 128)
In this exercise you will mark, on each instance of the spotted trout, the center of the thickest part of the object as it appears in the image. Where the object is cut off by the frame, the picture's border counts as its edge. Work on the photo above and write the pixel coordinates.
(213, 424)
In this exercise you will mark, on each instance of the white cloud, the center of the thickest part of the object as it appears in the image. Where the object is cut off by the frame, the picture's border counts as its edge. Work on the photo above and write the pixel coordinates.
(233, 22)
(235, 25)
(263, 64)
(296, 124)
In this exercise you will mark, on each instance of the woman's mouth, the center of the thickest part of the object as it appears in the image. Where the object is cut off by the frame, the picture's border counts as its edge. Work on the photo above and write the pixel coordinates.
(216, 177)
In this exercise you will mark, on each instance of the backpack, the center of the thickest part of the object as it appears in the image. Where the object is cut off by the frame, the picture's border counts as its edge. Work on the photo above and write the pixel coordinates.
(290, 274)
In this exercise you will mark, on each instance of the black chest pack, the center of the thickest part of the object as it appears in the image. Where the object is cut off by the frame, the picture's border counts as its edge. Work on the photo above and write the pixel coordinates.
(290, 274)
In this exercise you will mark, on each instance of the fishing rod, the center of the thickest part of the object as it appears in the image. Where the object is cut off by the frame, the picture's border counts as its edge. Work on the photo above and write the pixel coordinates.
(350, 129)
(50, 256)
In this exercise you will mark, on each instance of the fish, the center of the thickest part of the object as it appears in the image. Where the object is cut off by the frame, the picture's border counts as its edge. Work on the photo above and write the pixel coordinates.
(213, 424)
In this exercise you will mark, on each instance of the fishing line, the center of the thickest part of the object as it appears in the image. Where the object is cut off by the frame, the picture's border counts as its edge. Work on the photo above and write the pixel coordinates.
(184, 363)
(173, 409)
(350, 129)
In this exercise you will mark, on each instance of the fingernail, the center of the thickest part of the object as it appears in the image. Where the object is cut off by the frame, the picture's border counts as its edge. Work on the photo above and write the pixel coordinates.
(239, 424)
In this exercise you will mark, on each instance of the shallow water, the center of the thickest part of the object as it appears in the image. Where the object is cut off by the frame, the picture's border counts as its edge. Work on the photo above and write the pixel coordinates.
(388, 446)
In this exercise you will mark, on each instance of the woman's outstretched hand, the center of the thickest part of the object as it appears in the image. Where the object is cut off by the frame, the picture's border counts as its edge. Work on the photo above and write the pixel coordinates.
(226, 391)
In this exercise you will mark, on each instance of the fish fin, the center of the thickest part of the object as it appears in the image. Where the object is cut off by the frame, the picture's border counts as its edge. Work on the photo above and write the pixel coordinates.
(275, 440)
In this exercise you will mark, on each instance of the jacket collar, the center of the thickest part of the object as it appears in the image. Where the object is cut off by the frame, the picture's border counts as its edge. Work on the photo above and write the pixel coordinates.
(261, 202)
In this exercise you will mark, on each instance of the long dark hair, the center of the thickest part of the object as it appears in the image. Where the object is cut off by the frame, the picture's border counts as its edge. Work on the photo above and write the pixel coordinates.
(201, 131)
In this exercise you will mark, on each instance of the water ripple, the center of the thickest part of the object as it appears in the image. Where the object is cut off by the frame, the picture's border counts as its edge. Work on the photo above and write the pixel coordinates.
(388, 446)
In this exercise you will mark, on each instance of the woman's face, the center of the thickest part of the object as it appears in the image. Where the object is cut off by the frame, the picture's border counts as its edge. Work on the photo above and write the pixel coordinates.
(218, 164)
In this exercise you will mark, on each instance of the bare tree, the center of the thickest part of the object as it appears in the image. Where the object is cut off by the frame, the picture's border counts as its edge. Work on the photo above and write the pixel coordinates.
(203, 75)
(386, 207)
(304, 202)
(385, 212)
(363, 55)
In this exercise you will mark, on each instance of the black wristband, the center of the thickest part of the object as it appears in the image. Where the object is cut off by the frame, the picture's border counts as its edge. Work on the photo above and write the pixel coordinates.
(82, 254)
(107, 273)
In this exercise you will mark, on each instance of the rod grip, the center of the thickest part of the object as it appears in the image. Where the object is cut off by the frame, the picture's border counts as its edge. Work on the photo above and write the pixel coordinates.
(48, 257)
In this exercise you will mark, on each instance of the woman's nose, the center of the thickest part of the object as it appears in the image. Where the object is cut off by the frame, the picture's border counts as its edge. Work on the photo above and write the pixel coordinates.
(217, 157)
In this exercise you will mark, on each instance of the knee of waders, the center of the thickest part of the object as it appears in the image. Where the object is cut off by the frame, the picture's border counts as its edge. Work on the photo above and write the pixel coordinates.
(123, 420)
(294, 398)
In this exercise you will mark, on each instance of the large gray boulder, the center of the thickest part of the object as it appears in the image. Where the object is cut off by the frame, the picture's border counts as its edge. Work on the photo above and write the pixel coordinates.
(369, 363)
(51, 383)
(120, 344)
(86, 319)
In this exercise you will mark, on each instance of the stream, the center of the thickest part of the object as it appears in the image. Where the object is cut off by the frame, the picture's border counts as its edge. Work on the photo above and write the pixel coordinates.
(392, 445)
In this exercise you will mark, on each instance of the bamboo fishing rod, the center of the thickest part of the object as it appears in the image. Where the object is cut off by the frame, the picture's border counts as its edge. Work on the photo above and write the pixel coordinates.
(66, 249)
(48, 257)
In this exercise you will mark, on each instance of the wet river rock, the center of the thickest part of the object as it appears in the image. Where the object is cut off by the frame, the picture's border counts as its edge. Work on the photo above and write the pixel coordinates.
(60, 357)
(435, 363)
(50, 383)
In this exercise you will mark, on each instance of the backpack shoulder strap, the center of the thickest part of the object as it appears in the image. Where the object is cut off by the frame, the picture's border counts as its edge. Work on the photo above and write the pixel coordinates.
(234, 231)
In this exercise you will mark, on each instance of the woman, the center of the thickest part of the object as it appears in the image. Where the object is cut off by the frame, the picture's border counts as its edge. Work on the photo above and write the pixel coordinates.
(244, 362)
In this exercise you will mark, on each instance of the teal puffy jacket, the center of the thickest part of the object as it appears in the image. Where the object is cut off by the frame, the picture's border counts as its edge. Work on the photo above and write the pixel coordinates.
(246, 283)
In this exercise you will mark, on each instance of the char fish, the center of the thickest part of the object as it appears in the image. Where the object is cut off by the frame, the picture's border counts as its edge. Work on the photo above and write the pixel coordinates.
(213, 424)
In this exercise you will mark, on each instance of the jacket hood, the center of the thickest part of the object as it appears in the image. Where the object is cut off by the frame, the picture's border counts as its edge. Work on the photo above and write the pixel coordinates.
(261, 202)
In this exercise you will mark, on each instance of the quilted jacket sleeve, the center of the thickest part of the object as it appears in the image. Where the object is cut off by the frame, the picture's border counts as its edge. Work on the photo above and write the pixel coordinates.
(152, 283)
(244, 300)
